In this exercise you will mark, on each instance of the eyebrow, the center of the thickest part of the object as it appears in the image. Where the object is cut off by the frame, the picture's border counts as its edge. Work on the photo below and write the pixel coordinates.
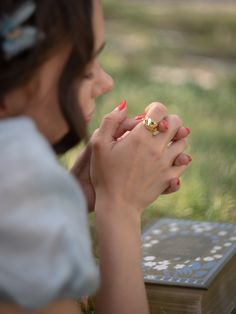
(100, 49)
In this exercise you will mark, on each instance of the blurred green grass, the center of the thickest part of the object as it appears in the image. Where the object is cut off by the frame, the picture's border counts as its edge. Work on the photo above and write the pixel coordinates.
(184, 56)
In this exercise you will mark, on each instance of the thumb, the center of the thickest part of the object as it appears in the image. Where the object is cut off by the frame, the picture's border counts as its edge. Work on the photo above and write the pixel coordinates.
(112, 121)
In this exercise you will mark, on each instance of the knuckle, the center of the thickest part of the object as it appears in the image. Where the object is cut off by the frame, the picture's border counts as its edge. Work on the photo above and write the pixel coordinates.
(108, 117)
(176, 119)
(137, 140)
(95, 133)
(97, 143)
(159, 151)
(157, 106)
(178, 160)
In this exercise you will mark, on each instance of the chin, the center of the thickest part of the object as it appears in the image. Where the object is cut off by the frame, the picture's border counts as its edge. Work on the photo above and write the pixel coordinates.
(89, 116)
(88, 119)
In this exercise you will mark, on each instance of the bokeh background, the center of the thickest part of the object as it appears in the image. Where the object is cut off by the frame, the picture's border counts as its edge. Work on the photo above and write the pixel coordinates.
(182, 53)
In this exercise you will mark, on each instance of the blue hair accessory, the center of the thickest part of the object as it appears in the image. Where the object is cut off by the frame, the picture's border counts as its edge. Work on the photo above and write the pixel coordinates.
(18, 38)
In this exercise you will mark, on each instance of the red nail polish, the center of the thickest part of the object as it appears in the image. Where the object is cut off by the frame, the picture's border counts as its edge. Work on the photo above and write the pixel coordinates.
(178, 182)
(188, 130)
(140, 116)
(165, 124)
(122, 105)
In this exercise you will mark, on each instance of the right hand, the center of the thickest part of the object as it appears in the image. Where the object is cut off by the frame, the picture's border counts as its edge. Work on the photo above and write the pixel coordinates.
(137, 169)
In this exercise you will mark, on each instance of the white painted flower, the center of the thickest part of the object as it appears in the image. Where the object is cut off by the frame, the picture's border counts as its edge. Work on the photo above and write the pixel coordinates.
(150, 277)
(156, 231)
(186, 262)
(160, 267)
(149, 258)
(179, 266)
(149, 264)
(217, 248)
(197, 259)
(227, 244)
(147, 238)
(164, 262)
(147, 245)
(154, 241)
(208, 259)
(222, 233)
(232, 239)
(218, 255)
(174, 229)
(213, 251)
(199, 230)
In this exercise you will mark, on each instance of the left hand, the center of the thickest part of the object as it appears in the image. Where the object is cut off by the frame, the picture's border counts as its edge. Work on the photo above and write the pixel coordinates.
(81, 168)
(81, 171)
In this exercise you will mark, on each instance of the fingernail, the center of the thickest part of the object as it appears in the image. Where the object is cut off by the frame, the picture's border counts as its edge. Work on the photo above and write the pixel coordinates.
(140, 116)
(188, 130)
(190, 158)
(165, 124)
(178, 182)
(122, 105)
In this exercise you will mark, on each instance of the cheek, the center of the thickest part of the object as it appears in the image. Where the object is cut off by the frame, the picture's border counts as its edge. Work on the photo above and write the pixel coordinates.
(85, 96)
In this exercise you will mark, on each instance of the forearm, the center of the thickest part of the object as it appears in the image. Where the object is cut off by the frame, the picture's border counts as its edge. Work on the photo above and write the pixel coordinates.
(59, 307)
(122, 288)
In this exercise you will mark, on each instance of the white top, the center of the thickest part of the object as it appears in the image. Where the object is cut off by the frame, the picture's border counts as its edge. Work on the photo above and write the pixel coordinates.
(45, 249)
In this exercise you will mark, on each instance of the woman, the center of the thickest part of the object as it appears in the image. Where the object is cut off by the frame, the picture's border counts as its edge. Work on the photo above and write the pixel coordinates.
(49, 80)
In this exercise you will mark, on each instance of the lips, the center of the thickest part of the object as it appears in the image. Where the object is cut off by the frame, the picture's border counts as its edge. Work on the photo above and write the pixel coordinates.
(88, 117)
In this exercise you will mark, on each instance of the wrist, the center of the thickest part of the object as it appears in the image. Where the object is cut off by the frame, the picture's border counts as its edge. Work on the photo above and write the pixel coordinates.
(114, 209)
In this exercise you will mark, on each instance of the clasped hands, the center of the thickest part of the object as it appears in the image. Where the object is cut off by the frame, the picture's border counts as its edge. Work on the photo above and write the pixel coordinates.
(123, 152)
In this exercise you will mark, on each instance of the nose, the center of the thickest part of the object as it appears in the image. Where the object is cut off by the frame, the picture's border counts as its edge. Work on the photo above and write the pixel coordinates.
(104, 84)
(108, 83)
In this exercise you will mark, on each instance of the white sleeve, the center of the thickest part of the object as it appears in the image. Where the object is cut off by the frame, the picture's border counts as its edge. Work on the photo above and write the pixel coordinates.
(44, 237)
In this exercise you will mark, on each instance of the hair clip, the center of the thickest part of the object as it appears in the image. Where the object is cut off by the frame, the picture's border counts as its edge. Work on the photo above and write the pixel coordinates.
(22, 14)
(17, 38)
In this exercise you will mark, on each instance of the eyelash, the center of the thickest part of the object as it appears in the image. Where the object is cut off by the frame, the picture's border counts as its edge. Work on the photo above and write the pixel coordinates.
(89, 76)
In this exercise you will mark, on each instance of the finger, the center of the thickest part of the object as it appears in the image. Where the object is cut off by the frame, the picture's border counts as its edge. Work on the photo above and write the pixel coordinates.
(177, 171)
(126, 125)
(182, 159)
(130, 124)
(163, 125)
(156, 111)
(181, 133)
(164, 138)
(152, 105)
(175, 149)
(111, 122)
(83, 160)
(173, 187)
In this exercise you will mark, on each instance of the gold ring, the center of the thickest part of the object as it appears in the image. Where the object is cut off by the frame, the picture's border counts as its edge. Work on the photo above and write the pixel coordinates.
(151, 125)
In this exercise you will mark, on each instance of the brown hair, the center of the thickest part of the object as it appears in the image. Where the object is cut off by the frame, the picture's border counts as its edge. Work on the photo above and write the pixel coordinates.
(58, 20)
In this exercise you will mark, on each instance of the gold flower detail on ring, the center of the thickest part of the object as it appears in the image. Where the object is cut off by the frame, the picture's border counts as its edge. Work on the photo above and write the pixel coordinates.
(151, 125)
